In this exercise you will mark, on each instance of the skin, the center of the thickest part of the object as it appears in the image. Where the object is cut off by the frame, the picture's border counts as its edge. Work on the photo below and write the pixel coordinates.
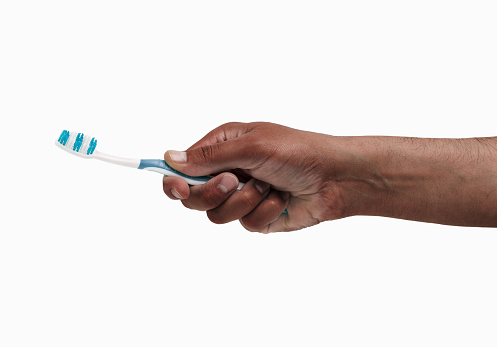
(319, 177)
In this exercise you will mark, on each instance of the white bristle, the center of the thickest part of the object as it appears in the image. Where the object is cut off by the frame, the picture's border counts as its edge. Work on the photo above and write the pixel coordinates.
(86, 144)
(70, 141)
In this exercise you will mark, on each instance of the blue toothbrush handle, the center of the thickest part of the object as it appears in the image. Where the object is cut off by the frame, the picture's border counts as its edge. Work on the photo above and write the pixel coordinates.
(160, 166)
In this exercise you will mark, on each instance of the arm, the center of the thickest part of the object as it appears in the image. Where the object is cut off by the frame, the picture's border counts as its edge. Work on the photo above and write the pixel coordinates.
(319, 177)
(446, 181)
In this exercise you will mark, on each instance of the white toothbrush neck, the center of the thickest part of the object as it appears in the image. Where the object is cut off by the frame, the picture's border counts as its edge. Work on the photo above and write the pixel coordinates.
(129, 162)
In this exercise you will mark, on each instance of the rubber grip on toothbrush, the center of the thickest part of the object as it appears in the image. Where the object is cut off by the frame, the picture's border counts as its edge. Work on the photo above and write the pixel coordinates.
(160, 166)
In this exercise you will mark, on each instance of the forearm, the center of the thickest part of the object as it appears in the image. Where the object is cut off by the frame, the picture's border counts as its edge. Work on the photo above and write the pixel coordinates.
(447, 181)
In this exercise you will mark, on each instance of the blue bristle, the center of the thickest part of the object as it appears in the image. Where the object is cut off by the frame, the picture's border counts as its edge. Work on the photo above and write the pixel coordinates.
(91, 147)
(64, 136)
(78, 142)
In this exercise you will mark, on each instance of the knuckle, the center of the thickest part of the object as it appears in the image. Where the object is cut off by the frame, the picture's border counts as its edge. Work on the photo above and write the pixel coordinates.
(246, 224)
(248, 201)
(273, 207)
(205, 153)
(230, 125)
(254, 227)
(187, 204)
(209, 199)
(258, 145)
(261, 148)
(251, 224)
(216, 218)
(264, 230)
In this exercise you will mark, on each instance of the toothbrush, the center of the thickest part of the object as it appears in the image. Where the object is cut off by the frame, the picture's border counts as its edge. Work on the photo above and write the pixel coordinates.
(84, 146)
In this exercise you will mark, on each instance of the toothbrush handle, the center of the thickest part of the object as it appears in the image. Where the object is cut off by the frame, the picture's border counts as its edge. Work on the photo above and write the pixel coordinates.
(160, 166)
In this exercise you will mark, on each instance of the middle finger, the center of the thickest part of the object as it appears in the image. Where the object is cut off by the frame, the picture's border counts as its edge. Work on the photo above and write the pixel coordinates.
(213, 193)
(240, 203)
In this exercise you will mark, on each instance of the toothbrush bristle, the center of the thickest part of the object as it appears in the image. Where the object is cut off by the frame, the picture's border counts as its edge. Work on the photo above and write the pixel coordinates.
(92, 146)
(78, 142)
(64, 136)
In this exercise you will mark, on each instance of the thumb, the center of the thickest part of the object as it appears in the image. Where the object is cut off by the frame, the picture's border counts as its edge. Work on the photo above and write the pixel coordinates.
(212, 158)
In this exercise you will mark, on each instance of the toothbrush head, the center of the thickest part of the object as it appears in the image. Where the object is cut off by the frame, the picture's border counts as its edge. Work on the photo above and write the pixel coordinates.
(77, 143)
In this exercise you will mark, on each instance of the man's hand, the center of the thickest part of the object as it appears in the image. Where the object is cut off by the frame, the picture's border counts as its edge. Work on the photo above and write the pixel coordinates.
(319, 177)
(283, 168)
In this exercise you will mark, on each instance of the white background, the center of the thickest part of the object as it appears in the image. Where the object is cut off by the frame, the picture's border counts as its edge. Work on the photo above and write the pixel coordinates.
(95, 255)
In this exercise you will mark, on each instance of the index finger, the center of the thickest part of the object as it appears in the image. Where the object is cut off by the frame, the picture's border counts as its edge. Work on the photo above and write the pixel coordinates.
(222, 133)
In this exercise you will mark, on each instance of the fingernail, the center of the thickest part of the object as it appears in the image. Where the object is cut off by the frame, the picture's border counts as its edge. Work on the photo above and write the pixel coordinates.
(261, 186)
(178, 157)
(228, 183)
(175, 193)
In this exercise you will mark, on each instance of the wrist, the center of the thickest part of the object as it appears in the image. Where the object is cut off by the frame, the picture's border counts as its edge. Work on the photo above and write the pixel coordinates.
(357, 167)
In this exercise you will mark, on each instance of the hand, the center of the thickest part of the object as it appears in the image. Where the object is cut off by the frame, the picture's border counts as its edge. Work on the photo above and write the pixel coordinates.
(283, 169)
(319, 177)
